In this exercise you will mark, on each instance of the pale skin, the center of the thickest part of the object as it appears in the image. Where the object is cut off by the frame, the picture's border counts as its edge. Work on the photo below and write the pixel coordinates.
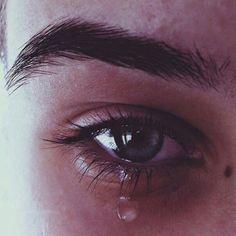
(45, 192)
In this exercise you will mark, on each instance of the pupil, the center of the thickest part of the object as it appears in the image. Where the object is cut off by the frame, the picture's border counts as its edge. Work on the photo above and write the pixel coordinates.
(137, 144)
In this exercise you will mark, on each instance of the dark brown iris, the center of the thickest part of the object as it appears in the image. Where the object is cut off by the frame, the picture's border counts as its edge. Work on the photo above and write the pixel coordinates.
(137, 144)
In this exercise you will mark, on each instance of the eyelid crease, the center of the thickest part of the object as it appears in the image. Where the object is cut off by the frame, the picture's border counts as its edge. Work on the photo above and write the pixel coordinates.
(120, 112)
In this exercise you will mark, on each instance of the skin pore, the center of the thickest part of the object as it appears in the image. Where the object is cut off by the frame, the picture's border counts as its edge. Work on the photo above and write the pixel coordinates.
(45, 190)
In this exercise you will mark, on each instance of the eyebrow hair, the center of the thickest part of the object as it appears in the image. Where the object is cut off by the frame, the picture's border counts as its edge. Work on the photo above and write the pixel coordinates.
(82, 40)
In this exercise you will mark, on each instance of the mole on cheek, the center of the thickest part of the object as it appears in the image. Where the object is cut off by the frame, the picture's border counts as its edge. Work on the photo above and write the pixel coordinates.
(228, 171)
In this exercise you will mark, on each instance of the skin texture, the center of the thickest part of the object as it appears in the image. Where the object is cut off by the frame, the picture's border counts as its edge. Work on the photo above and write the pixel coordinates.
(44, 193)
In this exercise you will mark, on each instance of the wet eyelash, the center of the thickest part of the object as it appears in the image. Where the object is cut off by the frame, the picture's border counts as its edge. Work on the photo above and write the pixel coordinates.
(81, 137)
(113, 167)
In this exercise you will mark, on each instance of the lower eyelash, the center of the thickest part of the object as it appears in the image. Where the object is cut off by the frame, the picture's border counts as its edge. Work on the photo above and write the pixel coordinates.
(106, 170)
(110, 169)
(125, 175)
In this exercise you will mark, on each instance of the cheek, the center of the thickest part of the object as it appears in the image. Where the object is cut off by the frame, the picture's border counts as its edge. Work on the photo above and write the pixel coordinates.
(65, 204)
(18, 155)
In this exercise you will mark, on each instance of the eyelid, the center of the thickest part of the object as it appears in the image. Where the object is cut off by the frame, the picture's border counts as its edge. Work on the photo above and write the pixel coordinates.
(115, 112)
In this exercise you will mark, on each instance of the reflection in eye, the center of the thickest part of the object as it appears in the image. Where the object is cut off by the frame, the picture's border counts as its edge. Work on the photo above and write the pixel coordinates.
(141, 150)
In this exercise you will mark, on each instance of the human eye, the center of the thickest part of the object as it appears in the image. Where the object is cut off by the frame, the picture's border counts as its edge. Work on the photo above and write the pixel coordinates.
(134, 150)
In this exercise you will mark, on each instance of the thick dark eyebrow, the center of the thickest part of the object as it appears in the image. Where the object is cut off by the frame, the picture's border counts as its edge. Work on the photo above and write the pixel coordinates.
(81, 40)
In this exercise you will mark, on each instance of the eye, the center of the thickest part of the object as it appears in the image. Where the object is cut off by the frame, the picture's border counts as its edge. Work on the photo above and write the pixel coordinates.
(150, 148)
(132, 143)
(140, 144)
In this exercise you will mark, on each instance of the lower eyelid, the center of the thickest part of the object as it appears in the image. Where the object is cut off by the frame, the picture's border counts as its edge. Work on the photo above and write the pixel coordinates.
(163, 179)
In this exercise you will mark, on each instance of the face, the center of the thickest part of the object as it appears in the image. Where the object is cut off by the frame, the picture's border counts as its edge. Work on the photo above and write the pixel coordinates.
(125, 121)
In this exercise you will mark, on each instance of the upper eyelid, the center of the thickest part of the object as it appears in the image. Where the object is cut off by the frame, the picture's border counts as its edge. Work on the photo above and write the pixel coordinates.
(120, 111)
(93, 119)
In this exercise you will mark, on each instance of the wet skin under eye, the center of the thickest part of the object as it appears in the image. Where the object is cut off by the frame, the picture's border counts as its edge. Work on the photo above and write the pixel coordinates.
(138, 149)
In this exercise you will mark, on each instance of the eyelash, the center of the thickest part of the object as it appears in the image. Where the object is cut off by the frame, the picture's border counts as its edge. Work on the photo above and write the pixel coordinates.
(81, 138)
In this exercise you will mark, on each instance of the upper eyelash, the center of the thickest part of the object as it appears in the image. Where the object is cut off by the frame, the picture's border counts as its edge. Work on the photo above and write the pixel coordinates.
(91, 131)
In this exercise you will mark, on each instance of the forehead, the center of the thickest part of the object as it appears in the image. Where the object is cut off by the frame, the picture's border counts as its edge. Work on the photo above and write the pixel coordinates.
(209, 25)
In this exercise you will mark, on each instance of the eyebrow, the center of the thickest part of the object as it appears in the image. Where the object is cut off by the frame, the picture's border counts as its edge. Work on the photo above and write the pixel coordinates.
(81, 40)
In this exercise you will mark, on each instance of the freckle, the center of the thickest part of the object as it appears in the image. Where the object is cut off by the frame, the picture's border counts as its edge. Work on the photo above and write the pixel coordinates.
(228, 171)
